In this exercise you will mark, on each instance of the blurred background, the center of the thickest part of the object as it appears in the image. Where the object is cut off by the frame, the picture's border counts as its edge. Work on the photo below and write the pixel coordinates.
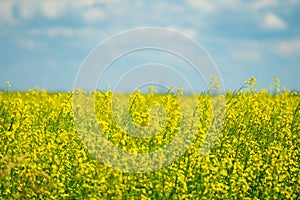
(44, 42)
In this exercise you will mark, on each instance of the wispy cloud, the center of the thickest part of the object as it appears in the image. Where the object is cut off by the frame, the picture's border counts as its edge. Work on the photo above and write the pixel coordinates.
(236, 33)
(273, 22)
(207, 6)
(6, 15)
(30, 44)
(53, 9)
(94, 15)
(289, 47)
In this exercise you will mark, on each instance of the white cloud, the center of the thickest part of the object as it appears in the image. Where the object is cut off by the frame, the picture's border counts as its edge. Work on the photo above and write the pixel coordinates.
(53, 9)
(53, 32)
(60, 31)
(6, 14)
(266, 4)
(82, 4)
(93, 15)
(248, 50)
(261, 4)
(86, 32)
(288, 47)
(247, 55)
(207, 6)
(271, 21)
(68, 32)
(27, 10)
(192, 33)
(213, 5)
(34, 32)
(26, 14)
(89, 3)
(29, 44)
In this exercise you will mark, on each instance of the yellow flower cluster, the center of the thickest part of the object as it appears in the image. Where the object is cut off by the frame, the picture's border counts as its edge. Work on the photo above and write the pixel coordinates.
(257, 156)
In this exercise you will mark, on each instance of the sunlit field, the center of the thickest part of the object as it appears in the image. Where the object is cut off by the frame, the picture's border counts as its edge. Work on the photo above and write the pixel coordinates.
(257, 155)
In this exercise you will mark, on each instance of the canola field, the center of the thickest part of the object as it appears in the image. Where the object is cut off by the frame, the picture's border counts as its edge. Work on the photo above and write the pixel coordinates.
(44, 155)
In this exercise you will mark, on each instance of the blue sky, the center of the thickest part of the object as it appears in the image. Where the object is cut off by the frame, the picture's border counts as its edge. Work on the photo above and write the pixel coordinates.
(44, 42)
